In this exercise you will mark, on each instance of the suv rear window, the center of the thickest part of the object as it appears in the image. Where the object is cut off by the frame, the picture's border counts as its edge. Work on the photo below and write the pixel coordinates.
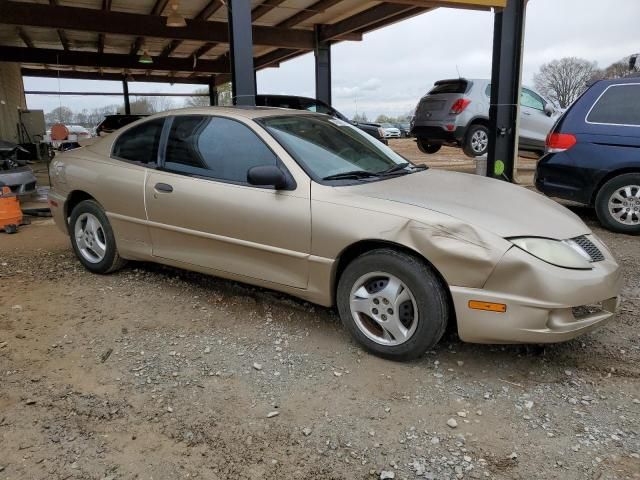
(450, 86)
(618, 105)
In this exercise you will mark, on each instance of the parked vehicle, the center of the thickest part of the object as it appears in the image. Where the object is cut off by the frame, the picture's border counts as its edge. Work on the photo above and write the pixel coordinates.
(390, 131)
(456, 113)
(593, 154)
(310, 205)
(405, 129)
(79, 131)
(111, 123)
(14, 173)
(313, 105)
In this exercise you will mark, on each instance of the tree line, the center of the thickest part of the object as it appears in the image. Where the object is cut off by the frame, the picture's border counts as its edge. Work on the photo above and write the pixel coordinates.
(562, 81)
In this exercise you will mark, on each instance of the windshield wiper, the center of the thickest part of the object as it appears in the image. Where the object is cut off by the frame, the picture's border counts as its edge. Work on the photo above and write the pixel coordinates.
(400, 167)
(352, 174)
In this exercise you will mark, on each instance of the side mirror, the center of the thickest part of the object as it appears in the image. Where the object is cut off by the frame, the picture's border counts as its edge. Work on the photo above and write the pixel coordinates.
(267, 176)
(549, 110)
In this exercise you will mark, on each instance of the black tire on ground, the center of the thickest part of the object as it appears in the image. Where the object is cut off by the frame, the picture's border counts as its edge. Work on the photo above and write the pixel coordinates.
(112, 261)
(606, 218)
(467, 146)
(428, 148)
(429, 293)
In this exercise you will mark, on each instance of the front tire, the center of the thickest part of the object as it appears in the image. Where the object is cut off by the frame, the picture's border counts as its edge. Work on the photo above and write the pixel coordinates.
(476, 142)
(618, 204)
(428, 148)
(92, 238)
(393, 304)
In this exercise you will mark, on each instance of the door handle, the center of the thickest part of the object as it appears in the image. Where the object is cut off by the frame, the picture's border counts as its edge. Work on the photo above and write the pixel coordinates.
(526, 113)
(163, 187)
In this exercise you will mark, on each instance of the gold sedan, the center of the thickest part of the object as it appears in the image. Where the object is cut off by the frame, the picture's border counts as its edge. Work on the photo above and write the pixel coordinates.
(309, 205)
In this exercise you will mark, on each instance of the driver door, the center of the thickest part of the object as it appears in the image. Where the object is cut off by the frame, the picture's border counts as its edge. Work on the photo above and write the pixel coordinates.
(203, 212)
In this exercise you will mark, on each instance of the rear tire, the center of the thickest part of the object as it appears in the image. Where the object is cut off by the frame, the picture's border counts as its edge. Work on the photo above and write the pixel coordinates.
(476, 142)
(617, 204)
(92, 238)
(428, 148)
(393, 304)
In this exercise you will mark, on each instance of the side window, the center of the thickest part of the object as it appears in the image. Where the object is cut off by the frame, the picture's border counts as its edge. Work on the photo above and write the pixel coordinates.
(215, 147)
(487, 91)
(140, 143)
(618, 105)
(532, 100)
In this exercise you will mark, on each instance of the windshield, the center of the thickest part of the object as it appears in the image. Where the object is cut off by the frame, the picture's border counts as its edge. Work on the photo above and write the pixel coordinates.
(329, 147)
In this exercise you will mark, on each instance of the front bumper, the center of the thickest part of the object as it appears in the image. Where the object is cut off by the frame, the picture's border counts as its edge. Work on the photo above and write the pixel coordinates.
(20, 180)
(57, 207)
(544, 303)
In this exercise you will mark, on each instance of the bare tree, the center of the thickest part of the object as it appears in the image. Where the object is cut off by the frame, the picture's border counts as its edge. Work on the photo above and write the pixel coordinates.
(224, 97)
(564, 80)
(617, 69)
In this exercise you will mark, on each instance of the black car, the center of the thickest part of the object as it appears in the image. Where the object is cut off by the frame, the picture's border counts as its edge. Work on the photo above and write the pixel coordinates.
(313, 105)
(112, 123)
(593, 154)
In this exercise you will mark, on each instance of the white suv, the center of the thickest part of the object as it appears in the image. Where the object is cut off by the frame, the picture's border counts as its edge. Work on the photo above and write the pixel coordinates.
(456, 113)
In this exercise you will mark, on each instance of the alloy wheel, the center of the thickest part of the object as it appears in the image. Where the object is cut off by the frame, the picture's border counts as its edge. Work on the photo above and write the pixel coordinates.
(384, 308)
(624, 205)
(90, 238)
(479, 141)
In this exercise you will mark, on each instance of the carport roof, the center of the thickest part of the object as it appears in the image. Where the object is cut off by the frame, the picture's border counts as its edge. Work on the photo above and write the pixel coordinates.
(103, 39)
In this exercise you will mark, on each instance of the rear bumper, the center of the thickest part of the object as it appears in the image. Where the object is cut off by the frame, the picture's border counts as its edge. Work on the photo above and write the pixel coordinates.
(438, 133)
(57, 207)
(544, 304)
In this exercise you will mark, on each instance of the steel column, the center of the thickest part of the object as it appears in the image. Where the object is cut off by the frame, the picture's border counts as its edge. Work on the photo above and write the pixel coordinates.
(213, 93)
(506, 75)
(125, 92)
(241, 52)
(322, 53)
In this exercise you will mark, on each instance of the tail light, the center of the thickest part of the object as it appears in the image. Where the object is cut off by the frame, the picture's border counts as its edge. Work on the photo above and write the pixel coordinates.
(559, 142)
(458, 107)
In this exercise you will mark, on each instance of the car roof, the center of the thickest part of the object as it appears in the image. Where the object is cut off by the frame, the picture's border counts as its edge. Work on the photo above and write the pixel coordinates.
(240, 111)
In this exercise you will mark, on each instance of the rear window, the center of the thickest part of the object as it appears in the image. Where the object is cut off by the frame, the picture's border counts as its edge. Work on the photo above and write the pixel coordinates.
(140, 143)
(452, 86)
(618, 105)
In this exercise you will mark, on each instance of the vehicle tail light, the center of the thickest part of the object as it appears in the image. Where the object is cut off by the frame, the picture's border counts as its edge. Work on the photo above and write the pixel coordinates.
(458, 107)
(559, 142)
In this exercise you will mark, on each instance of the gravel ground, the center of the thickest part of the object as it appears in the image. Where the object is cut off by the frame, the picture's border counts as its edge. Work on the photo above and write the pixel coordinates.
(158, 373)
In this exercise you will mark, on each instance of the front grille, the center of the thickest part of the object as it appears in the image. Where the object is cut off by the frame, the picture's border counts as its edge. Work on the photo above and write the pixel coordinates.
(589, 247)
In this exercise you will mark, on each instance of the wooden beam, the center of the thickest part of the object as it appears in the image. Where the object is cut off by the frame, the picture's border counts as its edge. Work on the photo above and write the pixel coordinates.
(306, 14)
(204, 14)
(360, 21)
(470, 4)
(106, 6)
(109, 60)
(264, 8)
(157, 9)
(25, 38)
(41, 73)
(124, 23)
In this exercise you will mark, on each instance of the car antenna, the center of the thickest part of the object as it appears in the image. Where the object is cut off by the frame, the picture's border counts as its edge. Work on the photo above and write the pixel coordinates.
(458, 70)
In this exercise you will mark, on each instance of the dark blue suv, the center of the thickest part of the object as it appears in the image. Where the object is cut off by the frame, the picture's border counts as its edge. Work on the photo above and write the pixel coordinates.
(593, 154)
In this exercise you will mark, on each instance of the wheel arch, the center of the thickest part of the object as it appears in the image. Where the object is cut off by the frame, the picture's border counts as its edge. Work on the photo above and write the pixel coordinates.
(609, 176)
(73, 199)
(360, 247)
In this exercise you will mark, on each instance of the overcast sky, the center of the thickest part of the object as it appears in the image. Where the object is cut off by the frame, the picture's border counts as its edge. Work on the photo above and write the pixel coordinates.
(393, 67)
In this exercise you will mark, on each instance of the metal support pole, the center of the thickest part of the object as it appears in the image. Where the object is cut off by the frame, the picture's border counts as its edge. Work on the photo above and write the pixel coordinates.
(508, 40)
(125, 92)
(243, 79)
(323, 68)
(213, 93)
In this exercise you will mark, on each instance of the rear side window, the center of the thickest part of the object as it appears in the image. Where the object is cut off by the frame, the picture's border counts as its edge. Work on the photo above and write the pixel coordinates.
(454, 86)
(215, 147)
(531, 100)
(140, 143)
(618, 105)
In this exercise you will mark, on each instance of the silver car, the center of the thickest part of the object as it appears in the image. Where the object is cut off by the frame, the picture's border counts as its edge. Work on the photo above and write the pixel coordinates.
(456, 113)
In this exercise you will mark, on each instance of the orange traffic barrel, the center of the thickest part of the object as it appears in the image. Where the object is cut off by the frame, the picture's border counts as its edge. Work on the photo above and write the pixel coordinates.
(10, 213)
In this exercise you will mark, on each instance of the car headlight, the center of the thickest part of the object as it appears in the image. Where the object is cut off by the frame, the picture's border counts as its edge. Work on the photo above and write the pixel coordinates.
(561, 253)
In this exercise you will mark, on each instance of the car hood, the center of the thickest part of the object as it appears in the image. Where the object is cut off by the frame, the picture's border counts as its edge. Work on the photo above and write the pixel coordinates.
(503, 208)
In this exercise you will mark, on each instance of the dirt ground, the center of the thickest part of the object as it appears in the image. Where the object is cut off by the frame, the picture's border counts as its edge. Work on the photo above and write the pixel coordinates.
(158, 373)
